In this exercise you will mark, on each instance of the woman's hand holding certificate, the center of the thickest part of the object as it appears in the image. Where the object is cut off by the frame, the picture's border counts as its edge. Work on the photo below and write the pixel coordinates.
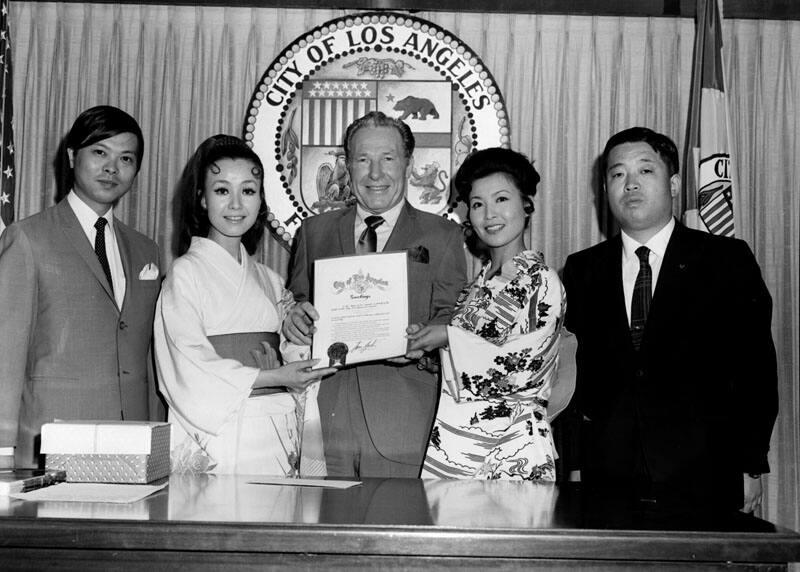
(362, 308)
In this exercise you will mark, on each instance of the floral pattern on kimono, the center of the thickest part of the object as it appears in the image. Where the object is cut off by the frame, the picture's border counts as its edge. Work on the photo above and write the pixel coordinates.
(497, 370)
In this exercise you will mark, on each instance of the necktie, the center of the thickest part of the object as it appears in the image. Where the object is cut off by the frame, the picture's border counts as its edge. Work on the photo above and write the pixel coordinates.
(368, 241)
(100, 248)
(642, 294)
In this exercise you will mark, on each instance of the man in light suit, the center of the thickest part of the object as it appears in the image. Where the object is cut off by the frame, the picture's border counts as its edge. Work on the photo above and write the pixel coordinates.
(677, 375)
(376, 417)
(77, 295)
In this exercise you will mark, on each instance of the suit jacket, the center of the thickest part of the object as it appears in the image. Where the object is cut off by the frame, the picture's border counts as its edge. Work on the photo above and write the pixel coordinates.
(68, 351)
(398, 401)
(699, 400)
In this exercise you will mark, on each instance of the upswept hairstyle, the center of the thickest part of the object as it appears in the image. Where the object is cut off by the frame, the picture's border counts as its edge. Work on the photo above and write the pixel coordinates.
(515, 166)
(379, 119)
(194, 218)
(660, 143)
(93, 125)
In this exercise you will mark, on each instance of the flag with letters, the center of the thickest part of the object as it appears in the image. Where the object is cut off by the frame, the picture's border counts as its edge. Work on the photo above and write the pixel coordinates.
(709, 192)
(7, 171)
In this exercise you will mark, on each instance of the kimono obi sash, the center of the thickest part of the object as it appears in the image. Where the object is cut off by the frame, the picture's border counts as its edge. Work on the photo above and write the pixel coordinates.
(239, 346)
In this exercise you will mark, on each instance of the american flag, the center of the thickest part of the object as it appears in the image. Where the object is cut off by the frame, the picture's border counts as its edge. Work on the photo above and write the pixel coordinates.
(709, 192)
(329, 106)
(6, 129)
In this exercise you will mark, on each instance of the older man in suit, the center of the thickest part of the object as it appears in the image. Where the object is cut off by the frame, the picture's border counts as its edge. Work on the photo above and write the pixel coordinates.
(376, 417)
(677, 376)
(77, 295)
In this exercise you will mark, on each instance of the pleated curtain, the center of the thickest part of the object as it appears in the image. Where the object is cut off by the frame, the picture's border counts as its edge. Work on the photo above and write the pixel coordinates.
(569, 82)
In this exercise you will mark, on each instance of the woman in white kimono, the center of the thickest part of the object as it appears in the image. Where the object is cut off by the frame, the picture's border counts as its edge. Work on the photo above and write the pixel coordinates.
(230, 410)
(500, 352)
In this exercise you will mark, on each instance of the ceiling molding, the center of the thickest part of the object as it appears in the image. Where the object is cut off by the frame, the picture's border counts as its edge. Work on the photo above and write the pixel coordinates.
(746, 9)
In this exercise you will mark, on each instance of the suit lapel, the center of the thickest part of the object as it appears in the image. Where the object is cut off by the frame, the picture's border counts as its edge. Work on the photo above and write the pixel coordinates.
(347, 224)
(125, 255)
(75, 235)
(619, 313)
(670, 278)
(404, 230)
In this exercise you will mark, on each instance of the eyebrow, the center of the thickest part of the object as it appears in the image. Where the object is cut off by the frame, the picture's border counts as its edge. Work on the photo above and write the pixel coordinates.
(108, 147)
(494, 193)
(244, 181)
(373, 150)
(641, 160)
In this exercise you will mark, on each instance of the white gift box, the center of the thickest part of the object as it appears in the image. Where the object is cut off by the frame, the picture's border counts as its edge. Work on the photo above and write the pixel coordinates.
(107, 451)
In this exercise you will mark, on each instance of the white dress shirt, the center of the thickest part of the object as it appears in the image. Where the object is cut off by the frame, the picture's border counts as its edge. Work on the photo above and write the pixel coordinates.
(87, 218)
(630, 262)
(384, 231)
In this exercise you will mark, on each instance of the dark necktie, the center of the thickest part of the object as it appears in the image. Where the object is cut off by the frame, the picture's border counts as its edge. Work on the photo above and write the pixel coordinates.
(100, 248)
(368, 241)
(642, 294)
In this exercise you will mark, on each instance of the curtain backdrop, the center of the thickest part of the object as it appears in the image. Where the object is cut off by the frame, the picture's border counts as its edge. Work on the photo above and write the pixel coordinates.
(569, 82)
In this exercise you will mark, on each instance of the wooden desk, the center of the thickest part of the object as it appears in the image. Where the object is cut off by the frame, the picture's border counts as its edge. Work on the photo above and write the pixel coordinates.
(213, 522)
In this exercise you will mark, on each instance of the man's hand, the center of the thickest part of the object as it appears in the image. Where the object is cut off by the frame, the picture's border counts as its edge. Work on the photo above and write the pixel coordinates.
(298, 325)
(752, 493)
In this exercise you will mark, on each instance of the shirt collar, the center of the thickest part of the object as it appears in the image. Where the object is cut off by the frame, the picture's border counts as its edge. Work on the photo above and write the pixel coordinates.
(389, 216)
(86, 216)
(657, 243)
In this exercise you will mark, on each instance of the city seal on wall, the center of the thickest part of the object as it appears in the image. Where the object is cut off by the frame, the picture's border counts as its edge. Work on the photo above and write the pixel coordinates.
(401, 65)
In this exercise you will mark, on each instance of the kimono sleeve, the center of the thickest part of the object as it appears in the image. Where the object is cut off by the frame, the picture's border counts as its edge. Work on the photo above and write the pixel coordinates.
(201, 388)
(526, 361)
(284, 301)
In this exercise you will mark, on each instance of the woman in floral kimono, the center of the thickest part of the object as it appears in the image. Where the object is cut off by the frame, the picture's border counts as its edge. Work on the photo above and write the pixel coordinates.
(500, 351)
(227, 416)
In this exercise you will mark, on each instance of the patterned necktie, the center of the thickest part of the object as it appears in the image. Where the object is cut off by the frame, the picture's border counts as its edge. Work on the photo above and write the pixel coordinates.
(642, 294)
(100, 248)
(368, 241)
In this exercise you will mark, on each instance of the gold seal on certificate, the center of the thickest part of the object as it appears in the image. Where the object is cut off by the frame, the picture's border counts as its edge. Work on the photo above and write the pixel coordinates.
(363, 308)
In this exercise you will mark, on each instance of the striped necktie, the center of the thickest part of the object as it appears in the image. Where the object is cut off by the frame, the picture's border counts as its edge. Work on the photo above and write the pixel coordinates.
(642, 295)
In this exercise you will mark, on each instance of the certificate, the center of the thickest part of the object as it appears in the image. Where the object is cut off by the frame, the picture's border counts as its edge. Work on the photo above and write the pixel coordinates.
(362, 303)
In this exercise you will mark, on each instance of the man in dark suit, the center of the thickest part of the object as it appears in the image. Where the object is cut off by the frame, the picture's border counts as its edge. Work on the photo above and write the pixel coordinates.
(376, 417)
(677, 375)
(77, 296)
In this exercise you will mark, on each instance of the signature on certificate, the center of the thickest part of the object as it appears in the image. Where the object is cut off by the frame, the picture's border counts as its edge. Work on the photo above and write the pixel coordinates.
(363, 345)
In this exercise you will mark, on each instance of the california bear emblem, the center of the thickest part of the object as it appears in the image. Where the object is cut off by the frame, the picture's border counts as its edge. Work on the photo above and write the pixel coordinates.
(416, 107)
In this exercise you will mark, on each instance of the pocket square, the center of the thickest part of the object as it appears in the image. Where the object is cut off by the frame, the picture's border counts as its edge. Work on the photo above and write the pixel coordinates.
(419, 254)
(149, 272)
